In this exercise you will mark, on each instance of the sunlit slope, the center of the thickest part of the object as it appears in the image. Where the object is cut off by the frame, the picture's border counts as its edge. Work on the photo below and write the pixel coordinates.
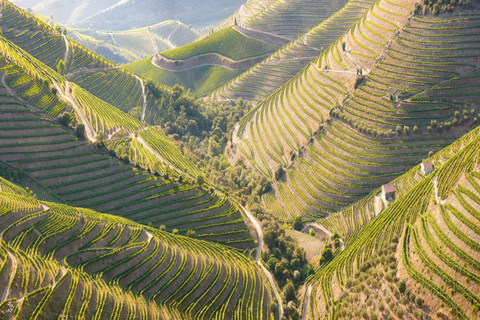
(436, 218)
(82, 263)
(347, 136)
(203, 66)
(266, 77)
(83, 176)
(44, 43)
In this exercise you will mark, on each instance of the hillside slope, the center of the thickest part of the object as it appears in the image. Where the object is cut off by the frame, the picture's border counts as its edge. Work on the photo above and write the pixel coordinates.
(436, 219)
(60, 162)
(78, 262)
(204, 65)
(268, 76)
(343, 133)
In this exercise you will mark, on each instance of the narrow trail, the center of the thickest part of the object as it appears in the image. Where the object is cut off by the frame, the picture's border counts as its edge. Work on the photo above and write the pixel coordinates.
(144, 98)
(66, 95)
(168, 38)
(12, 275)
(306, 299)
(113, 39)
(154, 44)
(65, 56)
(258, 228)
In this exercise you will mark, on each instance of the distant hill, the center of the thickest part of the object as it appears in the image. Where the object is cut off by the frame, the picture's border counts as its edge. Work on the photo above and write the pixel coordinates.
(131, 45)
(130, 14)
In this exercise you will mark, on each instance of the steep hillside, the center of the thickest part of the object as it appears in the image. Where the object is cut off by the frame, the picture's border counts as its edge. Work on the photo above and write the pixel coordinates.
(246, 11)
(204, 65)
(336, 122)
(268, 76)
(44, 43)
(61, 261)
(436, 219)
(81, 175)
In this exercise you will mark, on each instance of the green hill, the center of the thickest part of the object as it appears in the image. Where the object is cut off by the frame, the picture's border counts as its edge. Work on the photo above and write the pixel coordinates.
(77, 262)
(204, 65)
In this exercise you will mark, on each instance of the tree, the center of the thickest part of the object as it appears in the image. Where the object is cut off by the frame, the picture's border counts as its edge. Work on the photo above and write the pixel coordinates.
(289, 292)
(64, 119)
(200, 180)
(175, 231)
(65, 31)
(191, 234)
(162, 228)
(269, 238)
(61, 68)
(298, 223)
(80, 130)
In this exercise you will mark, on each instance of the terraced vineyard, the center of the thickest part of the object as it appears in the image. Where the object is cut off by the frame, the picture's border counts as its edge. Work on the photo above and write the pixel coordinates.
(83, 176)
(61, 261)
(44, 43)
(437, 221)
(341, 160)
(268, 76)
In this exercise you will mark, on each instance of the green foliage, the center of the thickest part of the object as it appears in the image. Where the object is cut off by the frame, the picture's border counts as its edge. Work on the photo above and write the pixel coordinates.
(64, 119)
(298, 223)
(80, 130)
(61, 68)
(226, 42)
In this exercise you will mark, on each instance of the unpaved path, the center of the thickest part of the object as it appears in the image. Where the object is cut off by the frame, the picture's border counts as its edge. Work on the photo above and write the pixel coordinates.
(65, 55)
(154, 44)
(144, 98)
(258, 228)
(206, 59)
(306, 300)
(12, 275)
(66, 95)
(168, 38)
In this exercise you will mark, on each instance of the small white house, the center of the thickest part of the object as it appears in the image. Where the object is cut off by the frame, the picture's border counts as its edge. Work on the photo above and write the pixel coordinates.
(426, 167)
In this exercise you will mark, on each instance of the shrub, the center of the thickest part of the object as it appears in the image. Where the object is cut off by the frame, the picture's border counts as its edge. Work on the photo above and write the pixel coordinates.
(191, 234)
(64, 119)
(80, 130)
(298, 223)
(175, 231)
(289, 292)
(162, 228)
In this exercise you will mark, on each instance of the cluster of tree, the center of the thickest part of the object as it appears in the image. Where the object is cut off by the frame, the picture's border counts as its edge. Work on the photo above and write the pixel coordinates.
(459, 118)
(202, 130)
(10, 174)
(438, 6)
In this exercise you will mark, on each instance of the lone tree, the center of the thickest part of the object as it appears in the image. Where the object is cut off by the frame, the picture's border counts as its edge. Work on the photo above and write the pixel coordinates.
(61, 68)
(80, 130)
(200, 180)
(64, 119)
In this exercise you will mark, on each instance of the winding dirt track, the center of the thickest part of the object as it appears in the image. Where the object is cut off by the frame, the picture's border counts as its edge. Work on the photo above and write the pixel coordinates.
(206, 59)
(258, 228)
